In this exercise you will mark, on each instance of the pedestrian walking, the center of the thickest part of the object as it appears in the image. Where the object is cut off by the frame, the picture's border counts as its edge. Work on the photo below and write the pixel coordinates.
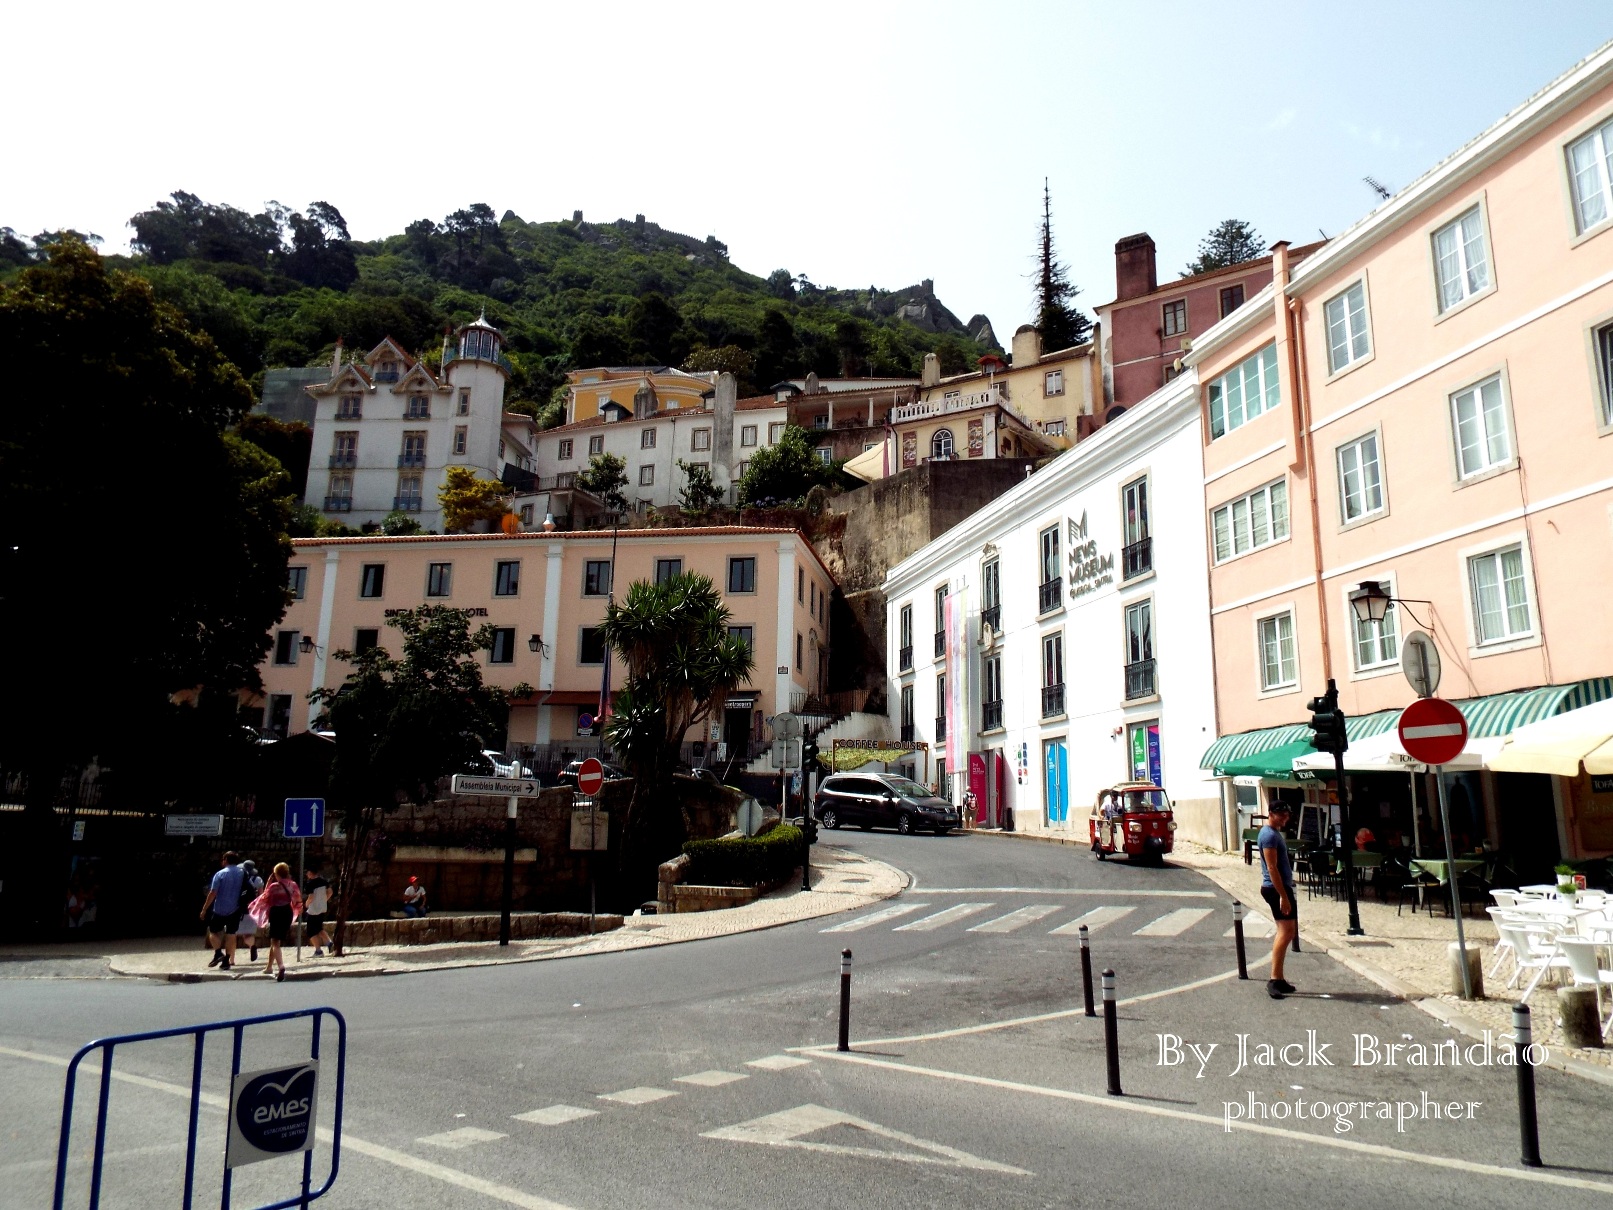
(316, 904)
(246, 931)
(1277, 889)
(222, 909)
(280, 902)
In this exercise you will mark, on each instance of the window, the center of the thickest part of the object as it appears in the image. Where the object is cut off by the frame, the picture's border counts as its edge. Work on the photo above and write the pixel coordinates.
(820, 422)
(666, 569)
(1590, 167)
(991, 705)
(464, 403)
(596, 444)
(1500, 596)
(1050, 597)
(812, 598)
(439, 579)
(744, 464)
(1140, 650)
(414, 450)
(800, 583)
(526, 514)
(692, 468)
(366, 639)
(372, 580)
(1173, 321)
(701, 440)
(1231, 299)
(940, 705)
(350, 408)
(506, 578)
(1053, 382)
(596, 578)
(1461, 262)
(742, 575)
(591, 645)
(1482, 439)
(565, 451)
(1360, 479)
(344, 450)
(285, 646)
(904, 657)
(340, 499)
(410, 497)
(747, 434)
(461, 439)
(1346, 327)
(1251, 521)
(646, 476)
(1244, 392)
(1054, 428)
(501, 447)
(1137, 550)
(941, 444)
(747, 634)
(798, 649)
(503, 649)
(279, 714)
(646, 439)
(1052, 674)
(991, 596)
(1277, 663)
(1377, 644)
(419, 407)
(826, 454)
(1604, 369)
(775, 433)
(940, 620)
(907, 714)
(297, 582)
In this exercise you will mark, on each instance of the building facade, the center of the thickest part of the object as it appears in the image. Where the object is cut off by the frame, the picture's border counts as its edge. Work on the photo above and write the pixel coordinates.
(1057, 641)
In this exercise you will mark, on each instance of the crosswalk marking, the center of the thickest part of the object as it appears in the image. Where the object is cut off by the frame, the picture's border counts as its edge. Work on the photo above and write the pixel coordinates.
(710, 1079)
(637, 1096)
(1017, 919)
(873, 918)
(1172, 923)
(778, 1062)
(465, 1136)
(1094, 920)
(945, 916)
(1255, 924)
(555, 1115)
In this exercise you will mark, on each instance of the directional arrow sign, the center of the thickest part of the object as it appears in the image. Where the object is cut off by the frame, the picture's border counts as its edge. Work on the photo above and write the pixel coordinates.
(305, 817)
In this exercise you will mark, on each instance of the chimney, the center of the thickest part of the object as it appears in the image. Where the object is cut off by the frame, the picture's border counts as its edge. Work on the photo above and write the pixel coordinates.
(1027, 346)
(1135, 273)
(932, 371)
(722, 407)
(336, 360)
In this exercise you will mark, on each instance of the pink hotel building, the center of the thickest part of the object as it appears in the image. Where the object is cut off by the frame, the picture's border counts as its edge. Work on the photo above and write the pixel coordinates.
(1426, 402)
(549, 591)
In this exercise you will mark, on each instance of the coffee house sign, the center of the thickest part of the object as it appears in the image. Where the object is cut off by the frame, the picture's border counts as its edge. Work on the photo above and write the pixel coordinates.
(1089, 570)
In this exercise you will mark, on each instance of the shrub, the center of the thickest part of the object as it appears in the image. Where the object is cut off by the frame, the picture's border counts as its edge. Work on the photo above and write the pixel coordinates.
(744, 860)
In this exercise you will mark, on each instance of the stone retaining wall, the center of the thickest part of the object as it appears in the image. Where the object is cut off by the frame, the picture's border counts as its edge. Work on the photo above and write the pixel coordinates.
(524, 926)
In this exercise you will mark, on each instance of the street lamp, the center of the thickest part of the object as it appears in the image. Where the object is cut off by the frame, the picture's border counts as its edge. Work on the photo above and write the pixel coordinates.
(1371, 602)
(537, 645)
(307, 645)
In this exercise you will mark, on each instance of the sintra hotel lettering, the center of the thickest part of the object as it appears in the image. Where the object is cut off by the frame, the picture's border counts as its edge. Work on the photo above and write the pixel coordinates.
(1089, 570)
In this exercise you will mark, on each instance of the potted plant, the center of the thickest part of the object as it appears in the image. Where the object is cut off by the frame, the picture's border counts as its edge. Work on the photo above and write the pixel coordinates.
(1567, 887)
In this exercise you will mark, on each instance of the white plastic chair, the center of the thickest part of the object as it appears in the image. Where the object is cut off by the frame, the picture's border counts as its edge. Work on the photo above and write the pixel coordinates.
(1533, 951)
(1505, 899)
(1594, 900)
(1503, 942)
(1582, 964)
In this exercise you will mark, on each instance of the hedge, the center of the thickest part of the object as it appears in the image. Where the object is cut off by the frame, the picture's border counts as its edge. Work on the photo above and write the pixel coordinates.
(744, 860)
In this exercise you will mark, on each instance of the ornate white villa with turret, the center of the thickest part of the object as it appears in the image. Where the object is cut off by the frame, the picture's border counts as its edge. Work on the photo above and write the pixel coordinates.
(386, 429)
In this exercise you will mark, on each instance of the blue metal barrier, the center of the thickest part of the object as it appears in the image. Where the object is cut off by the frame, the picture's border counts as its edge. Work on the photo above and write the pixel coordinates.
(107, 1045)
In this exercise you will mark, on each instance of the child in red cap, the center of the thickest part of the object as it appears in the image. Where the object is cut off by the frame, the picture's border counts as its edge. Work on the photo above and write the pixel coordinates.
(414, 898)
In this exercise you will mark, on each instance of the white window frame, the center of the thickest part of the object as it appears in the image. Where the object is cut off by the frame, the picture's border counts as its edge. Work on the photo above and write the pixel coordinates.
(1353, 336)
(1143, 609)
(826, 454)
(1050, 565)
(700, 439)
(1490, 466)
(596, 444)
(1353, 446)
(939, 449)
(1259, 367)
(1053, 383)
(1263, 495)
(747, 436)
(775, 432)
(567, 449)
(1470, 294)
(1599, 140)
(1599, 334)
(646, 475)
(1382, 665)
(1512, 640)
(1272, 614)
(646, 438)
(461, 439)
(1176, 306)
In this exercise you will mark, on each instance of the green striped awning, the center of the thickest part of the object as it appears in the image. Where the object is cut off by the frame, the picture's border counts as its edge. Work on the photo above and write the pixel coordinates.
(1501, 713)
(1238, 750)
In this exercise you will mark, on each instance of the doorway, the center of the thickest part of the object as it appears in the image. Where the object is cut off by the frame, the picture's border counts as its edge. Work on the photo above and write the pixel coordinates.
(1056, 762)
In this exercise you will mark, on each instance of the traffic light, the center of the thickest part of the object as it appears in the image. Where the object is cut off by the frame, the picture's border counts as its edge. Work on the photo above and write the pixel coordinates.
(1327, 722)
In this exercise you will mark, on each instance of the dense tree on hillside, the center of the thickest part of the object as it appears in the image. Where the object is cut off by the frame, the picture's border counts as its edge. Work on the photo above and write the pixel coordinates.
(1230, 243)
(604, 478)
(466, 498)
(784, 472)
(1060, 322)
(289, 444)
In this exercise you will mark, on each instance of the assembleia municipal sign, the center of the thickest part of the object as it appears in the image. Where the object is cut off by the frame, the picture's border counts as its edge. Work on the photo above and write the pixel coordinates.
(1089, 570)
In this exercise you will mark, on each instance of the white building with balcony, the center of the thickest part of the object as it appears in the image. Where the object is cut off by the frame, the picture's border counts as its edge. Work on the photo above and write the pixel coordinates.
(1058, 641)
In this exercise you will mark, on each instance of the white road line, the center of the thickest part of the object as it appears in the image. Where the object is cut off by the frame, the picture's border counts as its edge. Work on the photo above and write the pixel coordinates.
(873, 918)
(637, 1096)
(1255, 924)
(1182, 1115)
(778, 1062)
(786, 1129)
(1107, 893)
(1016, 919)
(943, 917)
(711, 1079)
(555, 1115)
(1094, 920)
(465, 1136)
(1172, 924)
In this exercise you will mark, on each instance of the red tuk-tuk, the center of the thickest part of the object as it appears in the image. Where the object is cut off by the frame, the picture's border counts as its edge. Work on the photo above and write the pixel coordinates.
(1133, 818)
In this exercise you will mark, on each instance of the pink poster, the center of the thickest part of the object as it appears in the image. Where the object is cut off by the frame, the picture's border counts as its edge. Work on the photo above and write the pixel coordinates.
(910, 450)
(957, 656)
(977, 787)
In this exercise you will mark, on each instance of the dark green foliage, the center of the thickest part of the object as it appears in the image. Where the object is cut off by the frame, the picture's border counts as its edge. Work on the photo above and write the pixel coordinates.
(1230, 243)
(1061, 324)
(287, 443)
(698, 493)
(604, 477)
(744, 860)
(783, 473)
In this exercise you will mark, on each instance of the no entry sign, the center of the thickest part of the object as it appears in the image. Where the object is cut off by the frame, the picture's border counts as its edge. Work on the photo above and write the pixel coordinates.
(1433, 731)
(590, 777)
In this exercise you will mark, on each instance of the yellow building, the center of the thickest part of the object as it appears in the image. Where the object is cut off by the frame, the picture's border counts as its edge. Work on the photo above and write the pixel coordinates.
(1049, 392)
(640, 390)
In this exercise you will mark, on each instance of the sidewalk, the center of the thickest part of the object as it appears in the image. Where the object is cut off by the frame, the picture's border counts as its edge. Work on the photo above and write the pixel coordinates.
(841, 881)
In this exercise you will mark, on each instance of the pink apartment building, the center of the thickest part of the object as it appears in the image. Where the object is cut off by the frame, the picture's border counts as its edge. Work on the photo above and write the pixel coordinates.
(545, 595)
(1424, 403)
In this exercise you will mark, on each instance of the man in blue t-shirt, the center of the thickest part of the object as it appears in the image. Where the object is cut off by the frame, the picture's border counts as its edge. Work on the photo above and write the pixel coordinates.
(1277, 889)
(222, 909)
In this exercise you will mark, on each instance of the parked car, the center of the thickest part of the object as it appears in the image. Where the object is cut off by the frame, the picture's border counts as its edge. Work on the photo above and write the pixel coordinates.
(506, 766)
(875, 800)
(704, 774)
(568, 775)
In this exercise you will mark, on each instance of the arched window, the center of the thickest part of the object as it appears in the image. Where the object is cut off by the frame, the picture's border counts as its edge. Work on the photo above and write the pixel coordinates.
(941, 444)
(1114, 413)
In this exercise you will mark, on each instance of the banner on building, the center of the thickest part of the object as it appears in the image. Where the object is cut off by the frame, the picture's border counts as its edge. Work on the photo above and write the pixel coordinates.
(957, 708)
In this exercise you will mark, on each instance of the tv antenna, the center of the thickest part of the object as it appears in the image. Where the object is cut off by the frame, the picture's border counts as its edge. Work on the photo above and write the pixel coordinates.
(1378, 187)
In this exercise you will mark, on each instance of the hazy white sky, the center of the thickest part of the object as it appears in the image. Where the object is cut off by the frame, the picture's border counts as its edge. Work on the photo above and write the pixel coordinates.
(856, 142)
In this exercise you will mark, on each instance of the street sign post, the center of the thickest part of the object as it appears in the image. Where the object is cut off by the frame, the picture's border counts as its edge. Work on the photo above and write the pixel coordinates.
(496, 787)
(1419, 660)
(590, 777)
(1434, 731)
(193, 825)
(304, 817)
(590, 780)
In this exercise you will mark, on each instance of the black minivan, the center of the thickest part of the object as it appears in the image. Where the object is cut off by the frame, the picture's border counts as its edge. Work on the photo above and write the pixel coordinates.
(883, 800)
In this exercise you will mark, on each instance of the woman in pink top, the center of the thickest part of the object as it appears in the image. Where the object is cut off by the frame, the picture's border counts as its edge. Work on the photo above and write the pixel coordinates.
(280, 901)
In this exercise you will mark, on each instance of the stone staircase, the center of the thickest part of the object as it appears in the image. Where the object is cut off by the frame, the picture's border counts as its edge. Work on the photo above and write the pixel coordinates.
(856, 725)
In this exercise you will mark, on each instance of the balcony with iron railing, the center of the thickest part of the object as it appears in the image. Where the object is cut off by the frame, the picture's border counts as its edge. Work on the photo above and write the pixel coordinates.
(940, 727)
(991, 618)
(1140, 680)
(350, 414)
(386, 376)
(991, 715)
(1137, 559)
(344, 461)
(904, 658)
(940, 643)
(338, 504)
(1052, 700)
(412, 459)
(406, 504)
(907, 733)
(1049, 596)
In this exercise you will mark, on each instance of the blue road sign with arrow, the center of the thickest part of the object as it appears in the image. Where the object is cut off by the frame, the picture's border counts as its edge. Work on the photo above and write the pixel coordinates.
(304, 817)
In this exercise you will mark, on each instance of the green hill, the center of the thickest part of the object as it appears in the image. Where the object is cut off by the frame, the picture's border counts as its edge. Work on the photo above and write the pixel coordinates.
(279, 287)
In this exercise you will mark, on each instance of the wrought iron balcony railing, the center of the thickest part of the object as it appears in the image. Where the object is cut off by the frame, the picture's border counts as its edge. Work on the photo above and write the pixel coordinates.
(1052, 700)
(1050, 596)
(1139, 680)
(1137, 559)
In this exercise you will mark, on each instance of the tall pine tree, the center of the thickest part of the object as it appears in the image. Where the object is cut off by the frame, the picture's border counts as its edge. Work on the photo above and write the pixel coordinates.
(1230, 243)
(1060, 323)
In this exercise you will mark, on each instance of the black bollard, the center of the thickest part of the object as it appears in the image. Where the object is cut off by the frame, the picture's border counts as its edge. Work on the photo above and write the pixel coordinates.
(1111, 1039)
(1237, 932)
(845, 1000)
(1086, 971)
(1528, 1123)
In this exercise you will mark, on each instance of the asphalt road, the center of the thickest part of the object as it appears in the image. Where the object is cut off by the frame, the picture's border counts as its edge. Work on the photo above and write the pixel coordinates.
(704, 1075)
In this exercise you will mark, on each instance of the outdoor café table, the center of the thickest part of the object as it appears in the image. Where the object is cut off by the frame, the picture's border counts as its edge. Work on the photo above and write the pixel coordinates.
(1539, 890)
(1440, 870)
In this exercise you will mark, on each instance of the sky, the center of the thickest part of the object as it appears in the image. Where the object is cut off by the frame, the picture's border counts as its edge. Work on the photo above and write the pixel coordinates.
(859, 143)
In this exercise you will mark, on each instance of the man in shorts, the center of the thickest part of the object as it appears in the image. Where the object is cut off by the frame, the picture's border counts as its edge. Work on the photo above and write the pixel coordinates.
(1277, 889)
(222, 909)
(316, 903)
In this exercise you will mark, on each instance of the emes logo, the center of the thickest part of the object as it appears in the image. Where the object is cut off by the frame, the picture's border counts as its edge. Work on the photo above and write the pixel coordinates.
(272, 1113)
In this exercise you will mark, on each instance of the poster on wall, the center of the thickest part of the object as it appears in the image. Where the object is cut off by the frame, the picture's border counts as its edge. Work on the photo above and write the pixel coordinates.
(910, 450)
(957, 655)
(977, 437)
(1145, 764)
(978, 787)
